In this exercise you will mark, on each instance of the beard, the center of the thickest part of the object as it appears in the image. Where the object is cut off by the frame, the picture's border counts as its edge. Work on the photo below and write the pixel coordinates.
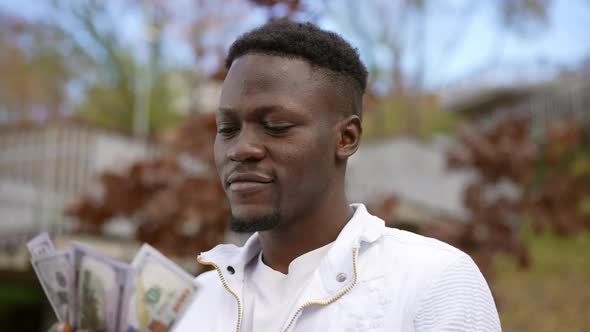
(255, 224)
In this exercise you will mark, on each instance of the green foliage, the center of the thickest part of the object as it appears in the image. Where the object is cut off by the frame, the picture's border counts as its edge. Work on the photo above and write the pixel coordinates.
(19, 294)
(393, 116)
(584, 206)
(580, 166)
(118, 85)
(552, 295)
(21, 306)
(113, 106)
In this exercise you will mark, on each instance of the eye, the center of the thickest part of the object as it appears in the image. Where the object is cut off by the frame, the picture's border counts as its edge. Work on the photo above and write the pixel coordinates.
(227, 131)
(277, 129)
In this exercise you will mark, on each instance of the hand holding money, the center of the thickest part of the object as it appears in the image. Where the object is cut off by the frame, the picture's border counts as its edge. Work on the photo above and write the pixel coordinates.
(92, 292)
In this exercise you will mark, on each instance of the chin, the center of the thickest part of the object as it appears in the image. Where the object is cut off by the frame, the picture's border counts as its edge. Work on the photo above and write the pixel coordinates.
(251, 211)
(248, 219)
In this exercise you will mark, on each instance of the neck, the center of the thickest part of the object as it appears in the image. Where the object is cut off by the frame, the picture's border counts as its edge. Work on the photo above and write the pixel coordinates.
(311, 230)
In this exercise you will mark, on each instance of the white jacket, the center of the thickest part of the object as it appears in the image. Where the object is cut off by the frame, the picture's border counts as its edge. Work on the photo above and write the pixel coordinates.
(373, 278)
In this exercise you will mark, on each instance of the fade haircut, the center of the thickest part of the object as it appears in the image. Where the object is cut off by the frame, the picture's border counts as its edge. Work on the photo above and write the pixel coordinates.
(320, 48)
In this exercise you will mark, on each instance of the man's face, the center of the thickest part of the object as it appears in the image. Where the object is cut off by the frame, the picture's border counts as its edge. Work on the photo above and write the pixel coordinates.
(275, 143)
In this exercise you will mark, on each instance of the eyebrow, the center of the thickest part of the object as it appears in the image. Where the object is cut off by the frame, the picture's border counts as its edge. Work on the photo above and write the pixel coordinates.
(262, 109)
(226, 110)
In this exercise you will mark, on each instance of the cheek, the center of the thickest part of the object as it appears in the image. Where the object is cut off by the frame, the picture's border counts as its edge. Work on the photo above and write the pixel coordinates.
(219, 154)
(308, 165)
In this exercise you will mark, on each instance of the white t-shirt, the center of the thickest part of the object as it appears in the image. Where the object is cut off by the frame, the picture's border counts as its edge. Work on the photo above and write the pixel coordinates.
(269, 295)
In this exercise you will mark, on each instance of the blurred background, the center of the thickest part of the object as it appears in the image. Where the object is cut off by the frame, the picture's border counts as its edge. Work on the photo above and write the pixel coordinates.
(477, 132)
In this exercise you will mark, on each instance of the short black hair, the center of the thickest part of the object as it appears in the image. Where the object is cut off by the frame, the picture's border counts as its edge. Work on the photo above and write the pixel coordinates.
(321, 48)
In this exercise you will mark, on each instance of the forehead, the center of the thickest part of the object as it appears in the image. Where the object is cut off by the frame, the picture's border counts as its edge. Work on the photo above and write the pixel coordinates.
(258, 80)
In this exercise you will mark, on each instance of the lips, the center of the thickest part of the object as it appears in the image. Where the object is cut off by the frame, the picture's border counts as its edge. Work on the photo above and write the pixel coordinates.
(247, 182)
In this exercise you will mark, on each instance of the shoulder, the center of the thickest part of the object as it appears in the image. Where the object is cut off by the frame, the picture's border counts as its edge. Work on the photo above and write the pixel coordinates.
(403, 249)
(444, 285)
(414, 262)
(401, 253)
(457, 298)
(421, 252)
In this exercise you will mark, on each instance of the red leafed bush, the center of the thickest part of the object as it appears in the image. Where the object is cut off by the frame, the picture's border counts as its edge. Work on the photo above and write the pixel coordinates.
(548, 182)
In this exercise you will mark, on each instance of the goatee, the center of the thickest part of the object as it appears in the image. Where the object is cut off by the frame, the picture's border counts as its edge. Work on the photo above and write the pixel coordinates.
(256, 224)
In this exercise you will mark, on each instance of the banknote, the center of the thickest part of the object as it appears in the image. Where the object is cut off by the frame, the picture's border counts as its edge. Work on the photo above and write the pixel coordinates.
(101, 291)
(54, 273)
(162, 291)
(40, 245)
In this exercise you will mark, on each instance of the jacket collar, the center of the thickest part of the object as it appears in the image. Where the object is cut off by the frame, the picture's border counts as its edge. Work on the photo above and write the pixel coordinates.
(361, 228)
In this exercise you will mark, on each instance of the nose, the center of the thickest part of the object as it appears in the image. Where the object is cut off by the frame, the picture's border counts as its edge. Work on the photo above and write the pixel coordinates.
(247, 147)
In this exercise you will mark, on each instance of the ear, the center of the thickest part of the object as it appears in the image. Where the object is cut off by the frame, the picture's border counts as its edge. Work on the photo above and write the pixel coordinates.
(349, 137)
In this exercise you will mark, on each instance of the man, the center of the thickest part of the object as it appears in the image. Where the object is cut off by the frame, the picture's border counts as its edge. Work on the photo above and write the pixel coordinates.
(288, 120)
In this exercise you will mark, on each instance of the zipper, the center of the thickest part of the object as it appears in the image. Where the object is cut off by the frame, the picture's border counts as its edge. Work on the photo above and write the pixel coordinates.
(331, 300)
(239, 323)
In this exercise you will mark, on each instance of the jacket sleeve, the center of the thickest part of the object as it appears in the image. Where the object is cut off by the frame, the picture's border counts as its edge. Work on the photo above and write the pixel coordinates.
(459, 299)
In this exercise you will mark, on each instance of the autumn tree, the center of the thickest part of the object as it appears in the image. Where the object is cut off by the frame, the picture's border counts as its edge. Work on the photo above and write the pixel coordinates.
(34, 72)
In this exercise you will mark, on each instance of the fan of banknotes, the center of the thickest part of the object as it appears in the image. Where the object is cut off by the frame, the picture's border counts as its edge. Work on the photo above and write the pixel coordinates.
(90, 291)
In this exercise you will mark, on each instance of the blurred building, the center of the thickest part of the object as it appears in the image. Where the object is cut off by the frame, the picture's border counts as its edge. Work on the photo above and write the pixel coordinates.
(416, 173)
(567, 96)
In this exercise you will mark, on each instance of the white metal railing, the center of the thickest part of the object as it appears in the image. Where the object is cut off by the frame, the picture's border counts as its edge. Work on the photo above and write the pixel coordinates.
(41, 169)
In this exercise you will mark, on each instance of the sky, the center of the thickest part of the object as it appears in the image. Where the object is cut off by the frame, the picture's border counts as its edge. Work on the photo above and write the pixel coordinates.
(564, 43)
(480, 49)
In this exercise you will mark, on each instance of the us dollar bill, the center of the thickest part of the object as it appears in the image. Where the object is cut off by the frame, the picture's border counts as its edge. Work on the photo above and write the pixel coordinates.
(161, 293)
(54, 273)
(101, 291)
(40, 245)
